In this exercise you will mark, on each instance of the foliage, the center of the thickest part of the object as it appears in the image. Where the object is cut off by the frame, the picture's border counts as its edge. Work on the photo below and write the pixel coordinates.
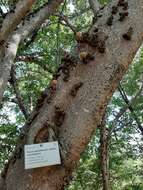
(126, 159)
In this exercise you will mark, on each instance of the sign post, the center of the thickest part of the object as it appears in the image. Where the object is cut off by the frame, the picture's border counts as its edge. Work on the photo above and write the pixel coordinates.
(41, 155)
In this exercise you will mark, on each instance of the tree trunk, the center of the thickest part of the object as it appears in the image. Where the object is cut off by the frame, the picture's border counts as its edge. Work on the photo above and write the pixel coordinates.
(104, 154)
(74, 113)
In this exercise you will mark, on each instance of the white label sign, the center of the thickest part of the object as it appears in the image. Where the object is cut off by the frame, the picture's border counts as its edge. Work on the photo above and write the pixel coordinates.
(43, 154)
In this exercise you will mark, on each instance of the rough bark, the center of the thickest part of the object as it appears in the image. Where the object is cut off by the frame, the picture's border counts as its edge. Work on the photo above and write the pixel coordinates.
(14, 18)
(104, 155)
(9, 48)
(94, 5)
(83, 109)
(6, 61)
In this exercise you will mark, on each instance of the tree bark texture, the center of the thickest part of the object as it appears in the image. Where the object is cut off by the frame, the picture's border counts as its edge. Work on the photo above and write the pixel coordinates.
(104, 155)
(74, 113)
(8, 48)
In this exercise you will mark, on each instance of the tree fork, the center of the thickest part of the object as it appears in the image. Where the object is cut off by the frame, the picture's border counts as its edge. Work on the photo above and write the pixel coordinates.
(83, 112)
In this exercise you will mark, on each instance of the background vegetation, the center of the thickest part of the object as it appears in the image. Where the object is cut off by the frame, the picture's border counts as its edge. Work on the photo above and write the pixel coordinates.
(38, 57)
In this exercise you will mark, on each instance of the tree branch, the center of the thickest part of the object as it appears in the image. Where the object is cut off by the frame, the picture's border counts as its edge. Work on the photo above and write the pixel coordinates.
(123, 110)
(7, 61)
(77, 14)
(95, 6)
(33, 59)
(13, 82)
(35, 22)
(14, 18)
(104, 153)
(76, 115)
(130, 107)
(67, 23)
(11, 49)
